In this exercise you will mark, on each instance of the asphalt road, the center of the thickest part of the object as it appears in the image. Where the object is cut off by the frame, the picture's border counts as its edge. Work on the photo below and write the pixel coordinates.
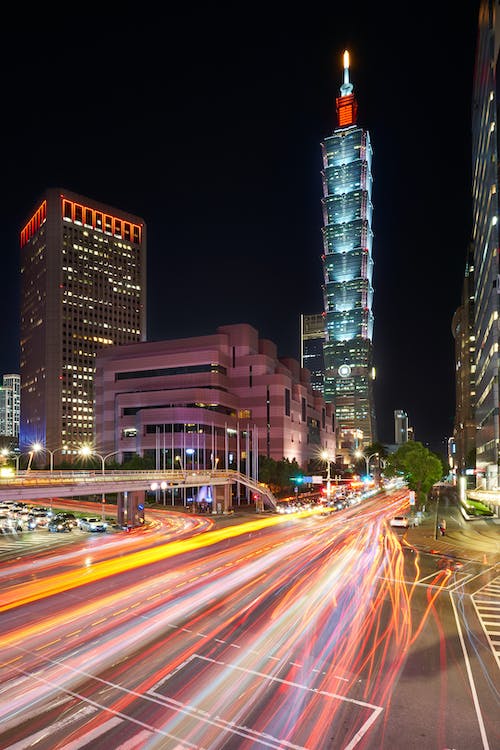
(299, 632)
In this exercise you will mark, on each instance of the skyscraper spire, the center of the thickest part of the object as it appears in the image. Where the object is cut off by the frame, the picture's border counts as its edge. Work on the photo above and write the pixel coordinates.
(347, 86)
(347, 106)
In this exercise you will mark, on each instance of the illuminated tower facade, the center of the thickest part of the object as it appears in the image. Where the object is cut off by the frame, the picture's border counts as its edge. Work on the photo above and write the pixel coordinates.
(486, 240)
(348, 269)
(83, 288)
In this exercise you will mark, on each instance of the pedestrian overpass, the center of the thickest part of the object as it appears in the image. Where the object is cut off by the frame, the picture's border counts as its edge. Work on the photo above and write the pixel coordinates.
(131, 487)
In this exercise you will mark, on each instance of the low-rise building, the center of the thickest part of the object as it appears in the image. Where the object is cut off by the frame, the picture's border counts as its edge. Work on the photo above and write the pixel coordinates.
(215, 401)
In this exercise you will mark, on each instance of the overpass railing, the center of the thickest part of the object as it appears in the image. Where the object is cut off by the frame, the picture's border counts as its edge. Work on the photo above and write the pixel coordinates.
(98, 481)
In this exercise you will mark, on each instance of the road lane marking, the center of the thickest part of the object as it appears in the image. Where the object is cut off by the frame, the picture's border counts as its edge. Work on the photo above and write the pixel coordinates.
(469, 675)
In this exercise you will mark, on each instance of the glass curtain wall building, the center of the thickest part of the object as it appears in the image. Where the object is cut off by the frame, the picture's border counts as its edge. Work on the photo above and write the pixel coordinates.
(312, 338)
(348, 269)
(485, 241)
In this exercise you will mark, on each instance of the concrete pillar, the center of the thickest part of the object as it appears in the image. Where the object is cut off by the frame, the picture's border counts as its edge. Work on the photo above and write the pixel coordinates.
(120, 510)
(135, 507)
(130, 508)
(222, 498)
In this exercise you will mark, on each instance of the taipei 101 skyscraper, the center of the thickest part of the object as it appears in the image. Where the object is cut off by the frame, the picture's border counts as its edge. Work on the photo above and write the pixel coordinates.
(348, 269)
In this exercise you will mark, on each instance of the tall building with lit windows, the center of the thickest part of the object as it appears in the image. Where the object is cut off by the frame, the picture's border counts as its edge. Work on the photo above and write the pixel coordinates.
(348, 269)
(312, 338)
(10, 392)
(83, 288)
(485, 239)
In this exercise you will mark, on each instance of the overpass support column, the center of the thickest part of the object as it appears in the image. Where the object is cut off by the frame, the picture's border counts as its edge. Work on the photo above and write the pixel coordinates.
(120, 510)
(222, 499)
(130, 509)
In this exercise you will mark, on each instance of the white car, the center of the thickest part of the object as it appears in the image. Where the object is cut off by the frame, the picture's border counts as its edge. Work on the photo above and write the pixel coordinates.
(400, 521)
(92, 523)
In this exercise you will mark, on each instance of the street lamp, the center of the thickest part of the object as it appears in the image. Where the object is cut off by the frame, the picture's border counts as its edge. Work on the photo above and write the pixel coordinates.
(39, 448)
(326, 457)
(6, 453)
(360, 454)
(87, 451)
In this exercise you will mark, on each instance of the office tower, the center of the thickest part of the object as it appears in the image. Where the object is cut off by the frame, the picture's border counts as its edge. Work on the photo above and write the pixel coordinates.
(9, 405)
(464, 432)
(83, 285)
(400, 427)
(312, 339)
(485, 211)
(348, 268)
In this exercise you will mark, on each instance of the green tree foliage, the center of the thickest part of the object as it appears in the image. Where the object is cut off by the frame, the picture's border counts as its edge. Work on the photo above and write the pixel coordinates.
(418, 465)
(277, 474)
(137, 463)
(370, 450)
(375, 448)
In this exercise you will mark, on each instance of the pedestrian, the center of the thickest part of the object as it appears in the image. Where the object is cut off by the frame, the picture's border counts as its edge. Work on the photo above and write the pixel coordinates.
(442, 526)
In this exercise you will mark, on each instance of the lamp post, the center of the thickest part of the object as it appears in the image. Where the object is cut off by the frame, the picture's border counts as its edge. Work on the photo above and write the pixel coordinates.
(6, 453)
(39, 448)
(87, 451)
(360, 454)
(326, 457)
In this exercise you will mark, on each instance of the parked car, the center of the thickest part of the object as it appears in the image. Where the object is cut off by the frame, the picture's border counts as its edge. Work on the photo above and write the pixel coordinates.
(9, 525)
(70, 517)
(400, 521)
(92, 523)
(41, 516)
(58, 524)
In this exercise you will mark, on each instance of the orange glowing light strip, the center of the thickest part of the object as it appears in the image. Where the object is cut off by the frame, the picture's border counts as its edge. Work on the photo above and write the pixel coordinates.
(34, 223)
(78, 212)
(109, 223)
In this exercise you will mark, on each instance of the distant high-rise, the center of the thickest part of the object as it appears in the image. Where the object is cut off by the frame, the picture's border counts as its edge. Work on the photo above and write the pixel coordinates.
(464, 432)
(348, 269)
(9, 405)
(83, 288)
(312, 339)
(485, 238)
(400, 427)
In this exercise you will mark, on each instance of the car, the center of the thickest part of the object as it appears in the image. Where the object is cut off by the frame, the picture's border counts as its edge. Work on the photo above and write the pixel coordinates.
(41, 516)
(70, 517)
(58, 524)
(401, 522)
(9, 525)
(92, 523)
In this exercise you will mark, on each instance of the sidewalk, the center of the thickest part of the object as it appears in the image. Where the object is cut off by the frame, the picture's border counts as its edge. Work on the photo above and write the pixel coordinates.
(456, 542)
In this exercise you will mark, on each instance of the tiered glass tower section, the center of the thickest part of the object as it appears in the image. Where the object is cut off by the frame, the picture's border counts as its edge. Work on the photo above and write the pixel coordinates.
(348, 270)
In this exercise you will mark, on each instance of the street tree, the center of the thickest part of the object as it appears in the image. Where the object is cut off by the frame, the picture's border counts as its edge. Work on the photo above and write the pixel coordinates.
(419, 467)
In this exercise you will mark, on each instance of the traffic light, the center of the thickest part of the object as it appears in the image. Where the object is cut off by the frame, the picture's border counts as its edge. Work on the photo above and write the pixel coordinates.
(298, 479)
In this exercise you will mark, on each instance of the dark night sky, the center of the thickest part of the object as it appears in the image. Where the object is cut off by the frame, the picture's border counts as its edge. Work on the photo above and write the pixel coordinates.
(207, 123)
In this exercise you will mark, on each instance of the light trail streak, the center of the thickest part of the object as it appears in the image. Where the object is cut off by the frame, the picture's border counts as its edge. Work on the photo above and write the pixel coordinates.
(308, 624)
